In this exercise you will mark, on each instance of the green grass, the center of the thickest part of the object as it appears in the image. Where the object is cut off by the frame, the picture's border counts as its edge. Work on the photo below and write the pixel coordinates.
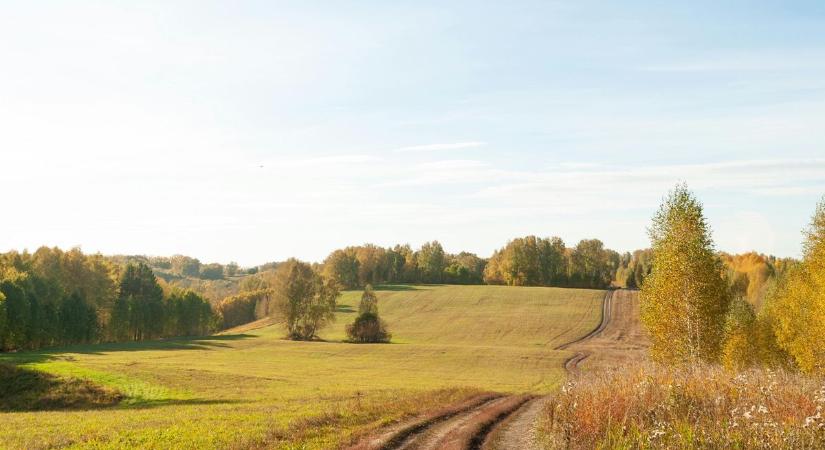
(33, 390)
(256, 389)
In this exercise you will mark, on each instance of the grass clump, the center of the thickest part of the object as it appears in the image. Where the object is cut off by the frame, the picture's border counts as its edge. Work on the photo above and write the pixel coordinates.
(31, 390)
(688, 407)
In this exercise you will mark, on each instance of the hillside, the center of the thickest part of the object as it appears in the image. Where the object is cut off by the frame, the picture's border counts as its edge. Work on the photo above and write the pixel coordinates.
(255, 388)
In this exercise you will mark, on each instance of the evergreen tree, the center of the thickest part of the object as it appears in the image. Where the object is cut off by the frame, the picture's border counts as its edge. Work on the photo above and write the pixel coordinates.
(4, 326)
(143, 296)
(77, 321)
(17, 311)
(684, 300)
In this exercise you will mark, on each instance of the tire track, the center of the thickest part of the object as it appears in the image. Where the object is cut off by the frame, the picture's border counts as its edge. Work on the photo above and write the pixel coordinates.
(479, 422)
(518, 431)
(572, 363)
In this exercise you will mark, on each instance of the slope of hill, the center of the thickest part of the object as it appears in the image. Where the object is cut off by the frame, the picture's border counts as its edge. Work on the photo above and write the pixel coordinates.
(256, 389)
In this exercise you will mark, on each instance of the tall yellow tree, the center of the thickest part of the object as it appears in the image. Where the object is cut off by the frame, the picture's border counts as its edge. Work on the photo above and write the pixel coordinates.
(798, 306)
(685, 299)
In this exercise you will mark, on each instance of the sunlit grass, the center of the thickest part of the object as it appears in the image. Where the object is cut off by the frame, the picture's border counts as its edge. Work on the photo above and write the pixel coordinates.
(257, 389)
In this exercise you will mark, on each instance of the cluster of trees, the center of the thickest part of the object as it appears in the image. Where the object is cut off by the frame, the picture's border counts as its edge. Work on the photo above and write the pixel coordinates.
(142, 311)
(181, 266)
(633, 268)
(293, 291)
(51, 297)
(745, 310)
(355, 267)
(752, 276)
(533, 261)
(528, 261)
(245, 307)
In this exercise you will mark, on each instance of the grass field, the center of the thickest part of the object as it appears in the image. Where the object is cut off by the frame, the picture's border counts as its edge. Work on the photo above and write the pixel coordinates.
(253, 388)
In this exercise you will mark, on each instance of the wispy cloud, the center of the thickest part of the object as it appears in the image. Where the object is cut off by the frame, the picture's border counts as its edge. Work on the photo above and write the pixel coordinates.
(437, 147)
(745, 62)
(322, 161)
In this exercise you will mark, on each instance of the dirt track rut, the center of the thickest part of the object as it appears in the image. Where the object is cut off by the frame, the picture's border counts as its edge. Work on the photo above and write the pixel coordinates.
(483, 422)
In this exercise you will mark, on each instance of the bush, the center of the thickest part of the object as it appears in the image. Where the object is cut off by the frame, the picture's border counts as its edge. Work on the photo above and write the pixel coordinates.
(368, 327)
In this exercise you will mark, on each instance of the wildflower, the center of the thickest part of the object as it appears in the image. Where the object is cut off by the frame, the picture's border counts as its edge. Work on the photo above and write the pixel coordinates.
(810, 420)
(656, 433)
(762, 409)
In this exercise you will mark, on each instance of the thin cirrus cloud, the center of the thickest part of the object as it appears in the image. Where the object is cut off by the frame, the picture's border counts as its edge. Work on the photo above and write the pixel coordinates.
(322, 161)
(758, 177)
(438, 147)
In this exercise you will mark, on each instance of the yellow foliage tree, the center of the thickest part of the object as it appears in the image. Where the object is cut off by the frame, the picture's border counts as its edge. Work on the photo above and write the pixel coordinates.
(798, 306)
(684, 300)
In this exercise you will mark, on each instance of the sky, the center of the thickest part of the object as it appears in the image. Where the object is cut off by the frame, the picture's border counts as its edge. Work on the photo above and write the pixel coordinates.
(253, 131)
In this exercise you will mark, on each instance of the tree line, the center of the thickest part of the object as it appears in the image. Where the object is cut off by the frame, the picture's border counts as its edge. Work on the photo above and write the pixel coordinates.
(528, 261)
(738, 310)
(51, 297)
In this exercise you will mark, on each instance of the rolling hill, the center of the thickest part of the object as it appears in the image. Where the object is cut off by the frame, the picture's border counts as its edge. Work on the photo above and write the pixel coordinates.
(253, 388)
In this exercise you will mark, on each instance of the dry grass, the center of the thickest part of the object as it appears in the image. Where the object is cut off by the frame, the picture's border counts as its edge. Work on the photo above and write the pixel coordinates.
(698, 407)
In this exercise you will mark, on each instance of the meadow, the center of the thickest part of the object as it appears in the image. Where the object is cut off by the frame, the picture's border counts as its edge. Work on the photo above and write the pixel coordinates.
(252, 388)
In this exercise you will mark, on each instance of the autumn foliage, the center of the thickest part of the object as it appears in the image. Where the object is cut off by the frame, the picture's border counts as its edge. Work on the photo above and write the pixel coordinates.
(684, 300)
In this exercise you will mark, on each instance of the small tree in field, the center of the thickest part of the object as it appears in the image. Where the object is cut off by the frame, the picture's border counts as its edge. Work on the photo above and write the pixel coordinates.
(369, 302)
(304, 298)
(368, 326)
(684, 300)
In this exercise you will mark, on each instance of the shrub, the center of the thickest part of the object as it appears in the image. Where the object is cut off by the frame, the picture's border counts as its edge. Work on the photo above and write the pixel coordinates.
(368, 327)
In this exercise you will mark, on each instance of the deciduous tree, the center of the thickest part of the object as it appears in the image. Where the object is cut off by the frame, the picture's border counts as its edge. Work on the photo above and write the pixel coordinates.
(798, 306)
(684, 300)
(306, 301)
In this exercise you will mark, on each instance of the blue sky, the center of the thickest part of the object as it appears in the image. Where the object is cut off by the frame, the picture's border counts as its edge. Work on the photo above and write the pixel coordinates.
(254, 131)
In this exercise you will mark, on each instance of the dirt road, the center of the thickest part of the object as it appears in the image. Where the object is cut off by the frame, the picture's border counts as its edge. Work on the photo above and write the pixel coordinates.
(494, 421)
(620, 339)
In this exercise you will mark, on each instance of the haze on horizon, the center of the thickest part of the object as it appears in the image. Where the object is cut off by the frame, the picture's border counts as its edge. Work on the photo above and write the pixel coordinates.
(255, 131)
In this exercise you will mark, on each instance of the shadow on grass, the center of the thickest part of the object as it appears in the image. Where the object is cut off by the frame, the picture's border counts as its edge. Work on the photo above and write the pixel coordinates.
(25, 390)
(344, 309)
(190, 343)
(397, 287)
(31, 390)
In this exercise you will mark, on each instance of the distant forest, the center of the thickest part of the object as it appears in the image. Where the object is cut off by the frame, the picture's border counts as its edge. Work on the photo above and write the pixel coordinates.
(53, 297)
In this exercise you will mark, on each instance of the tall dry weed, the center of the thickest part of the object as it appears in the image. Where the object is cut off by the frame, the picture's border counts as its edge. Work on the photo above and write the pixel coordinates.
(688, 407)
